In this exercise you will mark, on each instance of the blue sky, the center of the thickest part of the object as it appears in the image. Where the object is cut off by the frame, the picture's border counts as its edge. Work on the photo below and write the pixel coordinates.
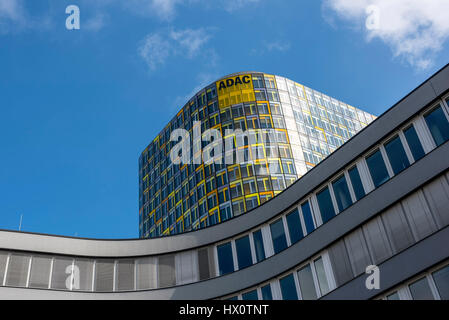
(77, 107)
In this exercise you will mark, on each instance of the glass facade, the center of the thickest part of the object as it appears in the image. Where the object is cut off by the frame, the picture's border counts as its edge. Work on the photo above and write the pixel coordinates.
(293, 129)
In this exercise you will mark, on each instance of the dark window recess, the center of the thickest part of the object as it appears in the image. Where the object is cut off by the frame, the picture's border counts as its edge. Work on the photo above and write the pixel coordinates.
(294, 226)
(413, 142)
(396, 155)
(225, 261)
(278, 236)
(325, 203)
(438, 125)
(356, 183)
(377, 169)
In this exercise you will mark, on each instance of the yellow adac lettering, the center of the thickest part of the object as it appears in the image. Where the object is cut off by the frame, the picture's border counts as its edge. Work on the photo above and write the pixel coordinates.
(222, 85)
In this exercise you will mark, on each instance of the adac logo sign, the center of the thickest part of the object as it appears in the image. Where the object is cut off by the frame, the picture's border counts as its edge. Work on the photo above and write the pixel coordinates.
(233, 82)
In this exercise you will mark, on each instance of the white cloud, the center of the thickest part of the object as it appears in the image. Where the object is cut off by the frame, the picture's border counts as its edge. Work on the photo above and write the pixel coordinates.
(277, 46)
(163, 9)
(157, 47)
(95, 23)
(11, 15)
(155, 50)
(191, 40)
(414, 29)
(234, 5)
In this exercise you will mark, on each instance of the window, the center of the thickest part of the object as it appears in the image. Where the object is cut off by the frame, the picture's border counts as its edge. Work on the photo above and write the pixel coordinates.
(266, 292)
(321, 275)
(252, 295)
(377, 240)
(288, 288)
(278, 236)
(358, 252)
(258, 245)
(125, 275)
(306, 284)
(342, 194)
(166, 271)
(396, 155)
(243, 252)
(438, 125)
(441, 279)
(377, 169)
(325, 204)
(225, 261)
(40, 272)
(308, 218)
(393, 296)
(414, 143)
(420, 290)
(356, 183)
(62, 269)
(294, 226)
(104, 275)
(17, 270)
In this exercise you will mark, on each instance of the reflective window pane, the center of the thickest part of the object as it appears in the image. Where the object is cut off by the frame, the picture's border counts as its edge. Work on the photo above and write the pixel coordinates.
(306, 283)
(441, 278)
(252, 295)
(420, 290)
(342, 194)
(393, 296)
(308, 218)
(325, 203)
(84, 270)
(266, 292)
(125, 275)
(377, 169)
(61, 275)
(243, 252)
(40, 272)
(104, 276)
(288, 288)
(258, 245)
(356, 183)
(17, 270)
(294, 226)
(225, 261)
(414, 144)
(438, 125)
(321, 275)
(3, 260)
(278, 236)
(396, 155)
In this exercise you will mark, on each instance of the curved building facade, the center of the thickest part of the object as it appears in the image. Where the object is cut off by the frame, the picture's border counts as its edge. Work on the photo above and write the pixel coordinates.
(380, 200)
(272, 131)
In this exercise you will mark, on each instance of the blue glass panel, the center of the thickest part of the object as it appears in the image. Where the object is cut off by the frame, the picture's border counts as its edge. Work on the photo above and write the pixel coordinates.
(243, 252)
(294, 226)
(252, 295)
(225, 261)
(288, 288)
(414, 144)
(325, 204)
(377, 169)
(278, 236)
(438, 125)
(258, 245)
(342, 194)
(396, 155)
(307, 215)
(356, 183)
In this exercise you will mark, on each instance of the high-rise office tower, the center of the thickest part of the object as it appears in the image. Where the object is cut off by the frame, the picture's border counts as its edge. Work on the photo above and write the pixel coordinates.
(269, 131)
